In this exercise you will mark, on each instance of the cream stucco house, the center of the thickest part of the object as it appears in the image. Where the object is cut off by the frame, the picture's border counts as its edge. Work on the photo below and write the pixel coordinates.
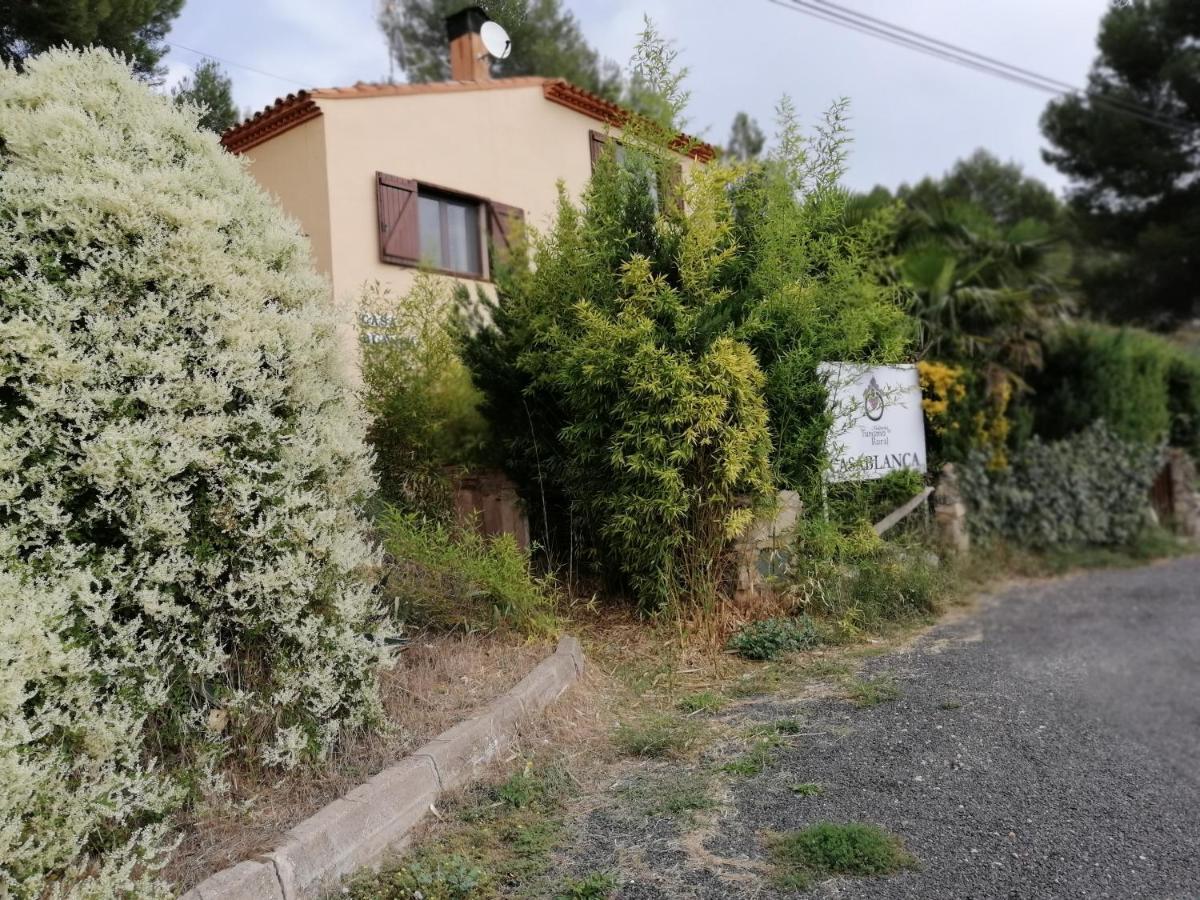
(386, 177)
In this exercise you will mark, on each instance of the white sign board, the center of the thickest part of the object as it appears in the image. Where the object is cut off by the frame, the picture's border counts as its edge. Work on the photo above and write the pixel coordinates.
(878, 423)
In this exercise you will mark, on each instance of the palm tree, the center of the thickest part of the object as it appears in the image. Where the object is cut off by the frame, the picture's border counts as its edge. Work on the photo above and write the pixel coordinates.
(981, 291)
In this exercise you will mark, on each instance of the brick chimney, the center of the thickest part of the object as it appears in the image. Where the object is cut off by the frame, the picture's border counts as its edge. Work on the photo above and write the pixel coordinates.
(469, 61)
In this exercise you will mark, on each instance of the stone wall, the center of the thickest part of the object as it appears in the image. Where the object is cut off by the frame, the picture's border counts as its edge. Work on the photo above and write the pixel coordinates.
(950, 512)
(762, 551)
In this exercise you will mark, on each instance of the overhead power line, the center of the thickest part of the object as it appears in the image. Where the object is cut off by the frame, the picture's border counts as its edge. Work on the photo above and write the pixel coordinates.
(948, 52)
(237, 65)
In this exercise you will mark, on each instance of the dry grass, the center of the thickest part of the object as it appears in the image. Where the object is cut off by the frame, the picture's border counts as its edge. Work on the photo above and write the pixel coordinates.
(636, 668)
(439, 681)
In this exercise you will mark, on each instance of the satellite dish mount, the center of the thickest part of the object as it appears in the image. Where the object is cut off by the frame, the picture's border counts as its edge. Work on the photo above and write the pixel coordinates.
(495, 40)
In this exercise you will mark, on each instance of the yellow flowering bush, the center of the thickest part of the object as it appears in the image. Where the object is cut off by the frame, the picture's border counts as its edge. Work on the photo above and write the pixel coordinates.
(182, 554)
(965, 412)
(941, 385)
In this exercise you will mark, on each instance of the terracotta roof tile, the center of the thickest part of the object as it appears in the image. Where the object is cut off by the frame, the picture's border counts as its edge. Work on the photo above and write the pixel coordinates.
(295, 109)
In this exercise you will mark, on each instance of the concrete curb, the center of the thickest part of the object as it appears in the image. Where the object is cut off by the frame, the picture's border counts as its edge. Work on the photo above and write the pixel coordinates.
(361, 827)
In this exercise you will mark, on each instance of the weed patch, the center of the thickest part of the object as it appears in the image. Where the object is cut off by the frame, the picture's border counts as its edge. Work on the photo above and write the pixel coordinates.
(865, 693)
(755, 684)
(771, 638)
(829, 849)
(450, 577)
(657, 736)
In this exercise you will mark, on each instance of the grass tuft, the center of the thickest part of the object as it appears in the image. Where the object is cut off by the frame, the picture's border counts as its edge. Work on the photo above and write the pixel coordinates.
(431, 876)
(828, 849)
(657, 736)
(678, 795)
(824, 668)
(865, 693)
(807, 789)
(493, 835)
(704, 701)
(593, 886)
(757, 758)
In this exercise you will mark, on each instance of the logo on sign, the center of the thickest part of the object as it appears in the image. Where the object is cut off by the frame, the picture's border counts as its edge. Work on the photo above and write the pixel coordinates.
(873, 401)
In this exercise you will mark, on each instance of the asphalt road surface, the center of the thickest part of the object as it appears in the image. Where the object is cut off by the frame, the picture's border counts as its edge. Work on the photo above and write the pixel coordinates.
(1045, 744)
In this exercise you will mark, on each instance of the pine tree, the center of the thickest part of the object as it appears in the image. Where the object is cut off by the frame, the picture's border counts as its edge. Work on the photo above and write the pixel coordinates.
(211, 89)
(546, 40)
(746, 139)
(1135, 182)
(131, 28)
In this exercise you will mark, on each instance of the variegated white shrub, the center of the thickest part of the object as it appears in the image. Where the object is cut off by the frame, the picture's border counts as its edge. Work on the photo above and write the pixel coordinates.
(183, 566)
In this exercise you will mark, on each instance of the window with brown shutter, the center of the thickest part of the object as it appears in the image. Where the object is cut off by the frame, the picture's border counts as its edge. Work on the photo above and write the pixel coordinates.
(504, 222)
(446, 230)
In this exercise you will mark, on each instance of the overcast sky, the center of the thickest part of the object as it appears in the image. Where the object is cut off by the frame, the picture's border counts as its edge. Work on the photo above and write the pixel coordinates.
(911, 115)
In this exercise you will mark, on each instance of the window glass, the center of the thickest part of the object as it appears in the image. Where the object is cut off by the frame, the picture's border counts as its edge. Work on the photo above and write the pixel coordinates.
(430, 216)
(450, 233)
(463, 232)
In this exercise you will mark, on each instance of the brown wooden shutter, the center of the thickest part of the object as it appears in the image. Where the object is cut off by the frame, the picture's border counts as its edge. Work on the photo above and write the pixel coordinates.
(399, 229)
(504, 222)
(596, 142)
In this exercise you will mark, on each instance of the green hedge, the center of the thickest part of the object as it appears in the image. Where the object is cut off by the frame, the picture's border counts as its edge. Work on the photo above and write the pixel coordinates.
(1143, 386)
(1088, 489)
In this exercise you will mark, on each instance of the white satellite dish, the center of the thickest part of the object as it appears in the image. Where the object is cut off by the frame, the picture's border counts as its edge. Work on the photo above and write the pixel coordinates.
(495, 40)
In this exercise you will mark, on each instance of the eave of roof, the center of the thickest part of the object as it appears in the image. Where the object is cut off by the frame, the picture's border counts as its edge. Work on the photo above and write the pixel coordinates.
(295, 109)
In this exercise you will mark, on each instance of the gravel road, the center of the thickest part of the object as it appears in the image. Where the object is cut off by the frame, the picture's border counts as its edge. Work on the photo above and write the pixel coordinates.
(1044, 745)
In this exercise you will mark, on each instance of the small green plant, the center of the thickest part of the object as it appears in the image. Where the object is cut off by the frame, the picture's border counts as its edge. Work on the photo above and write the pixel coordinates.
(593, 886)
(950, 704)
(531, 787)
(807, 789)
(429, 877)
(829, 849)
(865, 693)
(658, 735)
(787, 726)
(704, 701)
(771, 638)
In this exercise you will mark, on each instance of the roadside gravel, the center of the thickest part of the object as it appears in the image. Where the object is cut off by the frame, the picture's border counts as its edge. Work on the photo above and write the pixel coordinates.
(1046, 745)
